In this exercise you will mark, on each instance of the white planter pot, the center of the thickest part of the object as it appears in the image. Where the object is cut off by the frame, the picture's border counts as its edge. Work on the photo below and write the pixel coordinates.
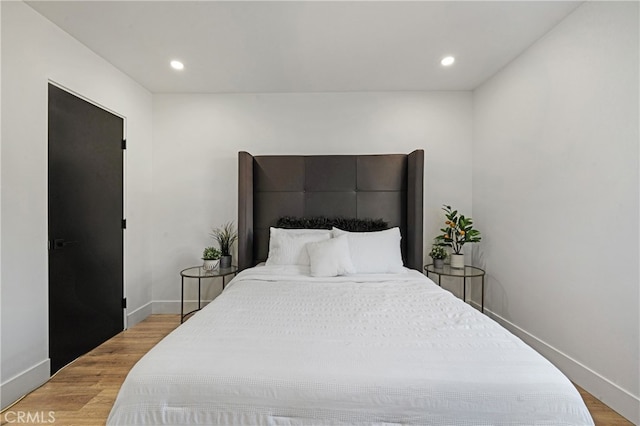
(210, 264)
(457, 261)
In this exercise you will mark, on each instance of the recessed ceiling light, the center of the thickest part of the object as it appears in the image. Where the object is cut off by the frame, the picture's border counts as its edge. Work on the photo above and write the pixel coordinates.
(448, 60)
(177, 65)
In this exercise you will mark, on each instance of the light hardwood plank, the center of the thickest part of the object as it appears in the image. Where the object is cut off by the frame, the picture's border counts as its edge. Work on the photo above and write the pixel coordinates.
(83, 392)
(602, 414)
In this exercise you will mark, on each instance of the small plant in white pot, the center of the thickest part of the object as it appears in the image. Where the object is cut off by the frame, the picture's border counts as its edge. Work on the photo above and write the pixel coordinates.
(458, 232)
(438, 254)
(211, 257)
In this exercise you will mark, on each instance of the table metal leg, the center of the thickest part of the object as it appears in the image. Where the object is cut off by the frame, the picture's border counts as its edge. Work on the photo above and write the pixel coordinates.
(482, 305)
(199, 298)
(464, 289)
(182, 302)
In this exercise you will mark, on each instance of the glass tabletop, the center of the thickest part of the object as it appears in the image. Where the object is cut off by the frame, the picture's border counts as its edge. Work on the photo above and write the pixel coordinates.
(200, 272)
(447, 270)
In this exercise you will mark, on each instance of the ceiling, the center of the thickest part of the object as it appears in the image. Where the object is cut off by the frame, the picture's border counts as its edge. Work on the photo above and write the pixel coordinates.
(305, 46)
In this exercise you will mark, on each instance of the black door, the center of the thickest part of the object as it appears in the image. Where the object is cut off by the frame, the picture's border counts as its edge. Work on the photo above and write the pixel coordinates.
(85, 226)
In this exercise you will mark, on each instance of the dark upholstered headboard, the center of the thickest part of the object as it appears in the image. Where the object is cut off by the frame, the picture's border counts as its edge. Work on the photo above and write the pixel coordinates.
(389, 187)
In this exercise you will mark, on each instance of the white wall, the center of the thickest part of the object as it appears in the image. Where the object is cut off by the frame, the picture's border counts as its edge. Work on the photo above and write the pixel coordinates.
(197, 139)
(555, 192)
(33, 52)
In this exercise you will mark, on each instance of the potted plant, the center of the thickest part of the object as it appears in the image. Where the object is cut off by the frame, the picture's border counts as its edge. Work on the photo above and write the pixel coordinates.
(225, 236)
(458, 232)
(211, 257)
(438, 254)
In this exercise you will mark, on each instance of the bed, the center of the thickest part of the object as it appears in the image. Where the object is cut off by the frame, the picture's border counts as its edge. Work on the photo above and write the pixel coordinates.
(331, 327)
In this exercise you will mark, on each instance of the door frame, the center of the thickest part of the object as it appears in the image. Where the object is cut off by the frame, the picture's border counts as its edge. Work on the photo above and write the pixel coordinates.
(124, 192)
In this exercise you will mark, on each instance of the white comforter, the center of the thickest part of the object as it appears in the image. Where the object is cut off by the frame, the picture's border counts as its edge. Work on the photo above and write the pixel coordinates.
(278, 347)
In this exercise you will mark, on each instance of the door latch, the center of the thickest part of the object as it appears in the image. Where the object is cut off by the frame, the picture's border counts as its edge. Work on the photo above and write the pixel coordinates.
(60, 243)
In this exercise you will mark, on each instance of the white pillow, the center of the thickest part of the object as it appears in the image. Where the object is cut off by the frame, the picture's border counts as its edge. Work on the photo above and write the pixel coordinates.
(330, 258)
(276, 233)
(374, 252)
(288, 248)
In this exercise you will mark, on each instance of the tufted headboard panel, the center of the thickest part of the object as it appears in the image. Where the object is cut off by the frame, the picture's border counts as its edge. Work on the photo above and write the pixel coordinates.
(387, 186)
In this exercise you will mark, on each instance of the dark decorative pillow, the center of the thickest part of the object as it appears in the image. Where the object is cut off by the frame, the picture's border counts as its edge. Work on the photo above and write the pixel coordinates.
(344, 223)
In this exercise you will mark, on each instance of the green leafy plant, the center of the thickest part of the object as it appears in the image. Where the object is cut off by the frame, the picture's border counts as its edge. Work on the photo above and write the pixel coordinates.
(458, 232)
(211, 253)
(438, 252)
(226, 235)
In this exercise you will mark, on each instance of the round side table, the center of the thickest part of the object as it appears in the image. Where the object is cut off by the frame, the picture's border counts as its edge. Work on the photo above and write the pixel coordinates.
(199, 272)
(464, 273)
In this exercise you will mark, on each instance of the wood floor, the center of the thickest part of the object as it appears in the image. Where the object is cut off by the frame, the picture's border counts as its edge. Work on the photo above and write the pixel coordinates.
(83, 392)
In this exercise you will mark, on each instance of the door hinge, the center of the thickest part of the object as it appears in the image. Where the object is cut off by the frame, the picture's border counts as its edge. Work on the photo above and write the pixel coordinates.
(124, 223)
(124, 303)
(124, 144)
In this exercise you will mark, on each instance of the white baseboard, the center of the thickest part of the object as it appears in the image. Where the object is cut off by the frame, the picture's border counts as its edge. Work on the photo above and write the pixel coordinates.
(139, 314)
(23, 383)
(619, 399)
(173, 306)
